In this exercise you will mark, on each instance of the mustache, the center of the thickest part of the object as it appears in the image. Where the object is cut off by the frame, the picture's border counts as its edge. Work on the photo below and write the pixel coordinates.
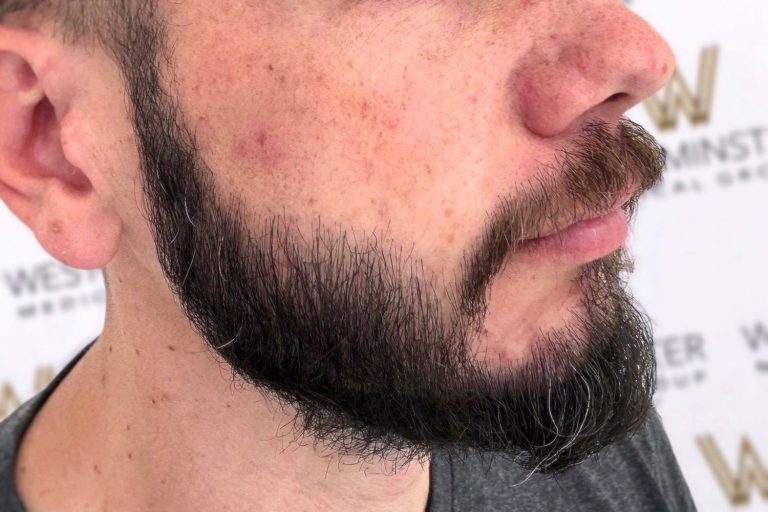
(603, 168)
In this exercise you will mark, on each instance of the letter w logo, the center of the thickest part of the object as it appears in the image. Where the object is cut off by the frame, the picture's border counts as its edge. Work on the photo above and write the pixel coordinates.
(750, 470)
(677, 97)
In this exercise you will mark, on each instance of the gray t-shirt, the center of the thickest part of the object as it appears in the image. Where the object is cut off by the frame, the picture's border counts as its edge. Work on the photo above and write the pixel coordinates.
(637, 475)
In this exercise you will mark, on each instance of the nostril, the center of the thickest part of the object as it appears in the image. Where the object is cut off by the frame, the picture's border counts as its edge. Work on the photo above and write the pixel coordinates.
(619, 96)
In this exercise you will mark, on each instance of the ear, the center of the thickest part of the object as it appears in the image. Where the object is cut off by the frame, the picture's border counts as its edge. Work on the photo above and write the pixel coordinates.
(66, 206)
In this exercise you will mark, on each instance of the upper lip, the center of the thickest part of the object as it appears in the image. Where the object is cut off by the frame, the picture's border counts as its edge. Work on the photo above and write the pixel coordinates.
(577, 214)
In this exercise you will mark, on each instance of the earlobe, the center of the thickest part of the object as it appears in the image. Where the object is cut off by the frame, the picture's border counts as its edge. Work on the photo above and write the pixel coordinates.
(56, 199)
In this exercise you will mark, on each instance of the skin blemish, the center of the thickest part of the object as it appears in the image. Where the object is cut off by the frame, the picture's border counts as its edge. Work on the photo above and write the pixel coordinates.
(448, 212)
(96, 469)
(172, 348)
(55, 227)
(138, 352)
(260, 149)
(130, 456)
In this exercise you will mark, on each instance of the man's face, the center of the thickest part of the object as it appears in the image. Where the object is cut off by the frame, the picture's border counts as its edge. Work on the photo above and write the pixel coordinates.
(344, 205)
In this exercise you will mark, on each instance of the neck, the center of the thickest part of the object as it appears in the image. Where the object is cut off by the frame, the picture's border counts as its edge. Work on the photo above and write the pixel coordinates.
(165, 428)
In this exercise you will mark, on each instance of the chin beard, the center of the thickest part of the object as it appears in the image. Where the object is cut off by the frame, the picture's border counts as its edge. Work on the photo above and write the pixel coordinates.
(357, 349)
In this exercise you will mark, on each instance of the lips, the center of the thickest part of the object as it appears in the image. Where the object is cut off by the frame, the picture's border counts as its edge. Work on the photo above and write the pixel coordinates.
(580, 239)
(585, 214)
(579, 243)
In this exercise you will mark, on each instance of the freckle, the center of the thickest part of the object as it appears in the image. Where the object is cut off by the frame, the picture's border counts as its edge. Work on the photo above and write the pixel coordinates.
(311, 201)
(282, 79)
(364, 110)
(270, 67)
(162, 481)
(154, 401)
(103, 380)
(138, 352)
(110, 349)
(96, 469)
(172, 348)
(130, 455)
(55, 227)
(229, 406)
(429, 170)
(23, 469)
(128, 427)
(448, 212)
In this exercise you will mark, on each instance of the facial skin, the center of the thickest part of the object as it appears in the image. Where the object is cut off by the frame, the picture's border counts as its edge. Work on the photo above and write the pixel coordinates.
(427, 127)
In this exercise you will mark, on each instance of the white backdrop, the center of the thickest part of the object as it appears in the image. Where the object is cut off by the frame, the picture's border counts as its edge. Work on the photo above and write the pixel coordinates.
(701, 246)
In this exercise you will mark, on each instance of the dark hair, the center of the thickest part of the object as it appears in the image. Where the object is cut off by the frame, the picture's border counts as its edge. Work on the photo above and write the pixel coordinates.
(100, 22)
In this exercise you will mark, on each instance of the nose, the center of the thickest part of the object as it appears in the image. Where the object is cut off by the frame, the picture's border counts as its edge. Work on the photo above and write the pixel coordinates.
(593, 64)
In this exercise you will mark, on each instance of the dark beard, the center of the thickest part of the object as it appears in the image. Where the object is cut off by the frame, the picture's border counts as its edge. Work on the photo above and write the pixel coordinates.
(351, 335)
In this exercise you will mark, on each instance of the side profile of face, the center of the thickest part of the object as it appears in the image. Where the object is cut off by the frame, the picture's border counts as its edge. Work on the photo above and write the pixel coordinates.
(350, 200)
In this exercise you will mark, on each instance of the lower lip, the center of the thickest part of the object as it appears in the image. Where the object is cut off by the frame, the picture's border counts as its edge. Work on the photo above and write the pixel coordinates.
(579, 243)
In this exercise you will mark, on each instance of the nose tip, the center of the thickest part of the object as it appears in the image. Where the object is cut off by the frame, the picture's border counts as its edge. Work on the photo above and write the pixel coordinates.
(596, 68)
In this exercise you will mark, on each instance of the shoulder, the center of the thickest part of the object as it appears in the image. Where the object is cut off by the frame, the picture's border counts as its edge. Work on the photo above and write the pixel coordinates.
(639, 474)
(11, 431)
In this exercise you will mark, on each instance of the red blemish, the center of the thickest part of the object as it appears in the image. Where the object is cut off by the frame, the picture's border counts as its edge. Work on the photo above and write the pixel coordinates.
(473, 100)
(259, 148)
(448, 212)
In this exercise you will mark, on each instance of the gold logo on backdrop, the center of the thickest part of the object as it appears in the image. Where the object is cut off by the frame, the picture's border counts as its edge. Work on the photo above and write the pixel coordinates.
(10, 400)
(750, 471)
(678, 97)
